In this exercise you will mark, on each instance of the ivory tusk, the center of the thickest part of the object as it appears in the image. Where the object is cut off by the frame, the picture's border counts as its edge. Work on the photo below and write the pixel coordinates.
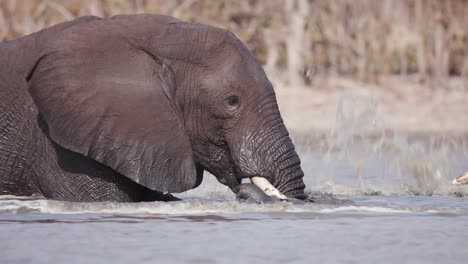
(461, 179)
(267, 187)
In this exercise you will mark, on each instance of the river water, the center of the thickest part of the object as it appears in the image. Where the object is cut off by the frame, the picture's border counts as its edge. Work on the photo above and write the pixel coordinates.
(364, 229)
(383, 198)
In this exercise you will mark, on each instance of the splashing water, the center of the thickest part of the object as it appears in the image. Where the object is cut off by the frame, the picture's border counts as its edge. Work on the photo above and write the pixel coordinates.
(360, 157)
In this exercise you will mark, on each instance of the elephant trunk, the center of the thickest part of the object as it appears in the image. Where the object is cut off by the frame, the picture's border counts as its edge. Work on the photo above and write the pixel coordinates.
(269, 153)
(288, 175)
(294, 186)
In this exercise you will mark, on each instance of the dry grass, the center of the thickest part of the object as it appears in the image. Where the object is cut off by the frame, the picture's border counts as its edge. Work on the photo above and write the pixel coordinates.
(362, 39)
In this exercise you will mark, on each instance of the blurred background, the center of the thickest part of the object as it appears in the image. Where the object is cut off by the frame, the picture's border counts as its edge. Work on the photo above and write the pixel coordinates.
(405, 56)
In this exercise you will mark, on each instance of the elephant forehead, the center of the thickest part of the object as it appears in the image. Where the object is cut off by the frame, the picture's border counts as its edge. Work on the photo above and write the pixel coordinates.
(237, 71)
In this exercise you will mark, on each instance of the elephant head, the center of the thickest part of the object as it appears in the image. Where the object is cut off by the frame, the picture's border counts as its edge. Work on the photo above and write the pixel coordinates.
(160, 100)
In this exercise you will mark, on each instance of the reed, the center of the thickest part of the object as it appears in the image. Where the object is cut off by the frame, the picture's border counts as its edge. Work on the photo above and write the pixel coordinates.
(362, 39)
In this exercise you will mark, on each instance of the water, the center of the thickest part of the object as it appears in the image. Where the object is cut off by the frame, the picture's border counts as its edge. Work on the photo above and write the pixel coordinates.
(384, 229)
(380, 197)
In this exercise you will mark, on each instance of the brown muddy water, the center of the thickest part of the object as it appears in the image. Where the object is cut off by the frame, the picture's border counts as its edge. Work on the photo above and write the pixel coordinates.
(385, 198)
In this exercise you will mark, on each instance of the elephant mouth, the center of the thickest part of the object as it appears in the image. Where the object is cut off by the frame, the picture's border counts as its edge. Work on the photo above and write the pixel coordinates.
(268, 184)
(262, 190)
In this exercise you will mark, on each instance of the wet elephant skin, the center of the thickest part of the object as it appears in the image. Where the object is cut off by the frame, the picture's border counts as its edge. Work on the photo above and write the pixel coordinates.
(134, 107)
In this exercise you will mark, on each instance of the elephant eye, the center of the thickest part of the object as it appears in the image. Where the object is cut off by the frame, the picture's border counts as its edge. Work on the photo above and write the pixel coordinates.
(233, 101)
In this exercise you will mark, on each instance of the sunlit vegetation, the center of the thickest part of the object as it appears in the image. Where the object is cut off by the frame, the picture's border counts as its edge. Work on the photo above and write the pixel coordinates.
(362, 39)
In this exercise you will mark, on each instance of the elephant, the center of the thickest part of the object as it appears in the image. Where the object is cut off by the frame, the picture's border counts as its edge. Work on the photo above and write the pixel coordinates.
(460, 180)
(135, 108)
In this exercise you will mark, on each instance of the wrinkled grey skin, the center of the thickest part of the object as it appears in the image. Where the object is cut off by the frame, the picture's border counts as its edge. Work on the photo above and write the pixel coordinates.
(134, 107)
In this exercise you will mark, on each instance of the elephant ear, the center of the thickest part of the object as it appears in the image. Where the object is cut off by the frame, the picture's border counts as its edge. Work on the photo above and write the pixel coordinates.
(113, 102)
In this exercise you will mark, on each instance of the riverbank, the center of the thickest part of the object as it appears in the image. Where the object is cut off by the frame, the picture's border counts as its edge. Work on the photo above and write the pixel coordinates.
(404, 105)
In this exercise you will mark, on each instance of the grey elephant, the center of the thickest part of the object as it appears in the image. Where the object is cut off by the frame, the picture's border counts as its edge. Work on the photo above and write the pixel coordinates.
(136, 107)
